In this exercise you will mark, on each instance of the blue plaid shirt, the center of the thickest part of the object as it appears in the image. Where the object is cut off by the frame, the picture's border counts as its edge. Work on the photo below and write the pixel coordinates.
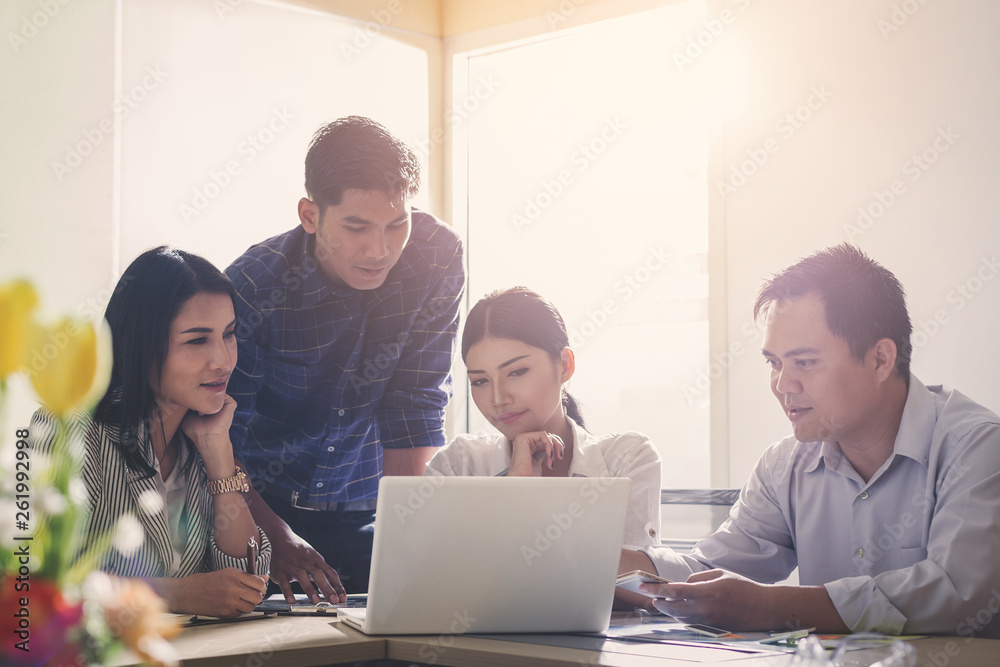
(327, 374)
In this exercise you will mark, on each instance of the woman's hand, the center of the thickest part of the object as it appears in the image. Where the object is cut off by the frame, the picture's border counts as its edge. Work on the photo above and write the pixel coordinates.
(534, 450)
(226, 593)
(210, 435)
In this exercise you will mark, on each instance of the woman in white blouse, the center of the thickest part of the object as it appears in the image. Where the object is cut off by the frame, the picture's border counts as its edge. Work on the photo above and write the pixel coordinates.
(158, 453)
(517, 352)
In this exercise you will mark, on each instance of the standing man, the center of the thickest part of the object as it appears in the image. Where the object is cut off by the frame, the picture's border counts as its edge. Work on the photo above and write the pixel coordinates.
(886, 497)
(346, 329)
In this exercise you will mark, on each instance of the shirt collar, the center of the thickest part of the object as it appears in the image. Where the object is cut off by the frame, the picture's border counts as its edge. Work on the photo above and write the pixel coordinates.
(916, 428)
(913, 439)
(588, 460)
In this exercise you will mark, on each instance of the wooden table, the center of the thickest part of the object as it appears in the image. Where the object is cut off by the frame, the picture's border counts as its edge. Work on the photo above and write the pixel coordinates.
(303, 641)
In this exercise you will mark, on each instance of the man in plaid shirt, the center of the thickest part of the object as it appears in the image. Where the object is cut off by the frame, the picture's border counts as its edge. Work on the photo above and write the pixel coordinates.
(346, 328)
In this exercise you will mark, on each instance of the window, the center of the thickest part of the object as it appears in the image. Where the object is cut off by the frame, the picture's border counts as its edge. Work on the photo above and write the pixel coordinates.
(586, 154)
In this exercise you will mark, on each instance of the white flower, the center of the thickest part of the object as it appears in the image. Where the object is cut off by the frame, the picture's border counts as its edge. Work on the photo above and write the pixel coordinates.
(77, 491)
(151, 502)
(51, 502)
(129, 535)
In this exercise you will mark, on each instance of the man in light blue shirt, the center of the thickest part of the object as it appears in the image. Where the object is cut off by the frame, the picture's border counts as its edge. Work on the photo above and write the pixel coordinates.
(886, 497)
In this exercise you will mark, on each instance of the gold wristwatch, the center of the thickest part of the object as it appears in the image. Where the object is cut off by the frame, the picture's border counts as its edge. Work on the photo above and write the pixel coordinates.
(237, 482)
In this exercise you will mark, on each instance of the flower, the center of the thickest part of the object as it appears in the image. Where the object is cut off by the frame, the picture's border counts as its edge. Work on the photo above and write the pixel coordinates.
(17, 300)
(59, 609)
(69, 364)
(38, 630)
(137, 616)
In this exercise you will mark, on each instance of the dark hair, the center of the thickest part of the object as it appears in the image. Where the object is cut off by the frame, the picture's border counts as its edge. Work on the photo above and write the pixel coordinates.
(864, 302)
(523, 315)
(147, 298)
(356, 153)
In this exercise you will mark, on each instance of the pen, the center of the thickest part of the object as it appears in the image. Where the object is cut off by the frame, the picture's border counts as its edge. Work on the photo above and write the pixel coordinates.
(786, 637)
(252, 555)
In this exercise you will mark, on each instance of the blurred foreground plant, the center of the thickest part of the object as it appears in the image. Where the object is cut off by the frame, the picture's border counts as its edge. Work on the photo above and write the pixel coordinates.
(58, 609)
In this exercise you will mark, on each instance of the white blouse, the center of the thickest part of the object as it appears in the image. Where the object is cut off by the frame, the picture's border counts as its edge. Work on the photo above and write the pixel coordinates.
(630, 455)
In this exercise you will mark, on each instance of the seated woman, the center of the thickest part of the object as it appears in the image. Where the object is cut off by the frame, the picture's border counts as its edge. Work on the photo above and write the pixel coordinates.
(158, 447)
(518, 357)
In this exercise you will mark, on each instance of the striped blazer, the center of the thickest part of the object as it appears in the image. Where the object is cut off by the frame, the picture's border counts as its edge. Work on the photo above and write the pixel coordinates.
(114, 491)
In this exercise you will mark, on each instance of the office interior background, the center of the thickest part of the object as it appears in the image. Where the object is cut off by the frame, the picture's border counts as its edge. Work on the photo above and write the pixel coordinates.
(643, 163)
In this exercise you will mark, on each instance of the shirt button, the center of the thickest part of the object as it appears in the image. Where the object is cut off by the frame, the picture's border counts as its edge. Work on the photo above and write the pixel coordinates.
(319, 485)
(861, 553)
(340, 412)
(864, 495)
(330, 448)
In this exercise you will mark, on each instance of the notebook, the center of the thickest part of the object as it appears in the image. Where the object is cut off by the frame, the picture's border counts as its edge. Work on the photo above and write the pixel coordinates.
(455, 555)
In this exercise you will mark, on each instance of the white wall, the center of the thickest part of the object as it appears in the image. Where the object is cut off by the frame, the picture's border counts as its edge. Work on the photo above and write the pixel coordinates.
(889, 96)
(186, 125)
(58, 86)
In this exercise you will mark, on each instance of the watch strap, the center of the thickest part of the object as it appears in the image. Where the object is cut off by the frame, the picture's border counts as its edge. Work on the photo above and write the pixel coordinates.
(237, 482)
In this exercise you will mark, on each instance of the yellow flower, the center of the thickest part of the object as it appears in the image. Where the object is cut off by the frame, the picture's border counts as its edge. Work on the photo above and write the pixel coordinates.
(69, 364)
(17, 300)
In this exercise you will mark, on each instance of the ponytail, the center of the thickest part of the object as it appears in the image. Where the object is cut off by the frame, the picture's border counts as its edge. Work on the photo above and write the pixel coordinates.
(572, 409)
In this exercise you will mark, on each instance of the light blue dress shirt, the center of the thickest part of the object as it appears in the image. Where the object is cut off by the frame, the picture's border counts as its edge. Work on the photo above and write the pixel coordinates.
(915, 550)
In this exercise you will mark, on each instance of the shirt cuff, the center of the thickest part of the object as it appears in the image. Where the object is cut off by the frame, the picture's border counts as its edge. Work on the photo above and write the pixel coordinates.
(221, 560)
(863, 607)
(669, 564)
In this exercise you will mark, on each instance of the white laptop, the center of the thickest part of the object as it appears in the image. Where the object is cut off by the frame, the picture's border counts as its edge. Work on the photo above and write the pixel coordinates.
(462, 555)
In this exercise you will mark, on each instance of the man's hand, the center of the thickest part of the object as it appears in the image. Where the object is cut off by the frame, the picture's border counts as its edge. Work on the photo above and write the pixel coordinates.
(729, 601)
(717, 598)
(534, 451)
(294, 559)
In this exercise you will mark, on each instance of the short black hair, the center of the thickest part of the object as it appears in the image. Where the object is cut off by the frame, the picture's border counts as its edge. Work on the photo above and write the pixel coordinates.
(147, 298)
(356, 153)
(864, 301)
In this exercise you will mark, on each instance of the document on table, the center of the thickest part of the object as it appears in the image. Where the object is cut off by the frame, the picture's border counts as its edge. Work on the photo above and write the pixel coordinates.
(303, 605)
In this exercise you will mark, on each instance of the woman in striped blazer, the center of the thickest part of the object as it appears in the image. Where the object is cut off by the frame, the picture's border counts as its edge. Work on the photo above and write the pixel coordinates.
(158, 453)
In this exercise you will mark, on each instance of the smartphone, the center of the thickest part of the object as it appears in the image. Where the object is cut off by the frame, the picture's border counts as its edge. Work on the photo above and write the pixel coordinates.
(707, 630)
(630, 581)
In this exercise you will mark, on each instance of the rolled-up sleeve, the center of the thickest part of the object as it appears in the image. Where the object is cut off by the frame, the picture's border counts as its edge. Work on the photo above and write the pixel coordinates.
(220, 560)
